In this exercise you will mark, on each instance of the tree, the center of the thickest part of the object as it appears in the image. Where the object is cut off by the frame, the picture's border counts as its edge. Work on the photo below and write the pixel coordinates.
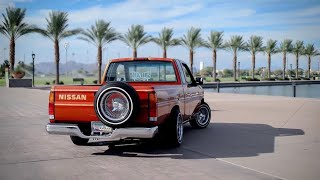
(214, 43)
(227, 73)
(270, 49)
(285, 47)
(297, 50)
(235, 44)
(192, 40)
(254, 45)
(165, 40)
(135, 37)
(14, 27)
(99, 35)
(56, 30)
(310, 52)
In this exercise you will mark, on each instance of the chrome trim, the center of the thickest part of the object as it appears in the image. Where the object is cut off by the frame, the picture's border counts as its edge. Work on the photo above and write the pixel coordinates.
(153, 119)
(117, 134)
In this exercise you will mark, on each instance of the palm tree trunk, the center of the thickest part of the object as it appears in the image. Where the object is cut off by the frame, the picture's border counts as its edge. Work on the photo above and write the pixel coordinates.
(191, 60)
(57, 59)
(164, 53)
(269, 65)
(309, 66)
(284, 65)
(135, 53)
(234, 65)
(12, 53)
(297, 66)
(253, 65)
(99, 56)
(214, 70)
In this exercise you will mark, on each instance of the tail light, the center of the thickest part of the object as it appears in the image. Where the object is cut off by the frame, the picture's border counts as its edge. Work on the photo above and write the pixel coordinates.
(51, 106)
(152, 106)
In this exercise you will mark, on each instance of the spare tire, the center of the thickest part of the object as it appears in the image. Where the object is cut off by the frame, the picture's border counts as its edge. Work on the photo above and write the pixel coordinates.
(116, 104)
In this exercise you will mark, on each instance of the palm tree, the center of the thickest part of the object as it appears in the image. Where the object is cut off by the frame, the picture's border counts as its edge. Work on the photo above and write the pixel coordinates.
(254, 45)
(297, 50)
(310, 51)
(99, 35)
(285, 47)
(270, 49)
(14, 27)
(57, 30)
(165, 40)
(214, 43)
(235, 44)
(135, 37)
(192, 40)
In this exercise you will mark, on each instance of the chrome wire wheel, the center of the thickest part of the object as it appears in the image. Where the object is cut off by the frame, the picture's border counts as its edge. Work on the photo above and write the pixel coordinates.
(203, 116)
(114, 105)
(179, 128)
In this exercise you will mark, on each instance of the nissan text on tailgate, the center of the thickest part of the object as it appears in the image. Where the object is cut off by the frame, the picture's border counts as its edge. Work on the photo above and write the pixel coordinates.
(139, 98)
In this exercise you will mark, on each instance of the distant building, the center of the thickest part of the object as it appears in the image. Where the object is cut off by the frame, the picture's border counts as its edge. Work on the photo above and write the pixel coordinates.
(201, 65)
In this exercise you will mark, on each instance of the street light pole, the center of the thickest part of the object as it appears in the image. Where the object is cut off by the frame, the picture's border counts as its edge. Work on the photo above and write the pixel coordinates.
(290, 70)
(66, 46)
(239, 71)
(33, 56)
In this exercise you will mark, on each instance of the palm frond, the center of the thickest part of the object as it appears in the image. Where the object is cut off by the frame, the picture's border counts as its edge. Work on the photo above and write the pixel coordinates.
(254, 44)
(192, 39)
(271, 47)
(236, 43)
(215, 40)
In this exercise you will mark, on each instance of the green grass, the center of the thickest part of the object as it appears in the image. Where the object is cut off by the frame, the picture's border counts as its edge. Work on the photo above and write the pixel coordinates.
(40, 81)
(2, 82)
(222, 79)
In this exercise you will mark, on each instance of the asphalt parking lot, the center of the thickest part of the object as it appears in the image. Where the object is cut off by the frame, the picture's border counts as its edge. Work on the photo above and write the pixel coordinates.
(250, 137)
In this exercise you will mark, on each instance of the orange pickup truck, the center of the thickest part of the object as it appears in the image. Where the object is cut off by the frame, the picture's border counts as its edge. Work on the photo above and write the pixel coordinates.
(139, 98)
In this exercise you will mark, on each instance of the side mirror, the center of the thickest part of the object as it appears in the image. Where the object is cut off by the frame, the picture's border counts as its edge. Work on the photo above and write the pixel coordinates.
(199, 80)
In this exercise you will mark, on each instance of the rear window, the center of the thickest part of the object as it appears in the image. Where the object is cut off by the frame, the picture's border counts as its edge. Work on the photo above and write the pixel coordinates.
(141, 71)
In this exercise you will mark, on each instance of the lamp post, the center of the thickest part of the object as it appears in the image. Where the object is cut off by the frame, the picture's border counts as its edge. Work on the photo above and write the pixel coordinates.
(290, 70)
(239, 70)
(66, 46)
(33, 56)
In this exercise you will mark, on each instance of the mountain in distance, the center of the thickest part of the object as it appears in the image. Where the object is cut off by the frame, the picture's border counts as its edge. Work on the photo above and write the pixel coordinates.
(72, 66)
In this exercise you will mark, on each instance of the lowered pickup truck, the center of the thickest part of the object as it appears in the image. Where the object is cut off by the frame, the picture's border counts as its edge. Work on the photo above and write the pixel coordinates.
(139, 98)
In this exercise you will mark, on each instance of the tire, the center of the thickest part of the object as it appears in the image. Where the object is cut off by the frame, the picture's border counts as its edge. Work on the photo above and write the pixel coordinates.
(79, 141)
(202, 118)
(174, 129)
(116, 104)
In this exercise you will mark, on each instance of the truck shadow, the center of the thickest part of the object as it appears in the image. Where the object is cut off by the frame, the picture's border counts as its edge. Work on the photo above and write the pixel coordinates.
(218, 140)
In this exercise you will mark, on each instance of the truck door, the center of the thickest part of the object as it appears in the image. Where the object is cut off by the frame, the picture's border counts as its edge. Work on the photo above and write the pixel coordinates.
(191, 91)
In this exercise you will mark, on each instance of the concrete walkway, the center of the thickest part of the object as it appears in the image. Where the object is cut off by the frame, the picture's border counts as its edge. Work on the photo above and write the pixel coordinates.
(250, 137)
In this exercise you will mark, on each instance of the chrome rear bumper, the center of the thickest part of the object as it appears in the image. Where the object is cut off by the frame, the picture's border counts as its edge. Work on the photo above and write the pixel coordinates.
(117, 134)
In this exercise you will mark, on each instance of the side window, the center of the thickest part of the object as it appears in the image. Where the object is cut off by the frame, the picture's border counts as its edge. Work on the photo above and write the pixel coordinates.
(188, 74)
(181, 72)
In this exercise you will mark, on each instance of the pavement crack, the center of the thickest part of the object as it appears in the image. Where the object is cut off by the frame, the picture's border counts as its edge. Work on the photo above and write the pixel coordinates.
(45, 160)
(286, 122)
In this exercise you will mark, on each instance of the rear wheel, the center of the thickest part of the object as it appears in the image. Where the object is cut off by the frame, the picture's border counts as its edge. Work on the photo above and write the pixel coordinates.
(202, 118)
(172, 131)
(79, 141)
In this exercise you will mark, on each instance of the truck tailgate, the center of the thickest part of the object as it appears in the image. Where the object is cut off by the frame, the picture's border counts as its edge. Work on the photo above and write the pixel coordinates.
(75, 103)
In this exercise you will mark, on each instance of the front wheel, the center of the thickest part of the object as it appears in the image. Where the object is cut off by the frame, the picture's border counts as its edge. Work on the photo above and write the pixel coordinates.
(79, 141)
(202, 118)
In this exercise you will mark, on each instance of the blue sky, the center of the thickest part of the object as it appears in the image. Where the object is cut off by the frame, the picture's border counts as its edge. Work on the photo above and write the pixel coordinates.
(275, 19)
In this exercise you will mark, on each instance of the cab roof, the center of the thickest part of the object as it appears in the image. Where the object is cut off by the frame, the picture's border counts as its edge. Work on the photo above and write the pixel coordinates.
(142, 59)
